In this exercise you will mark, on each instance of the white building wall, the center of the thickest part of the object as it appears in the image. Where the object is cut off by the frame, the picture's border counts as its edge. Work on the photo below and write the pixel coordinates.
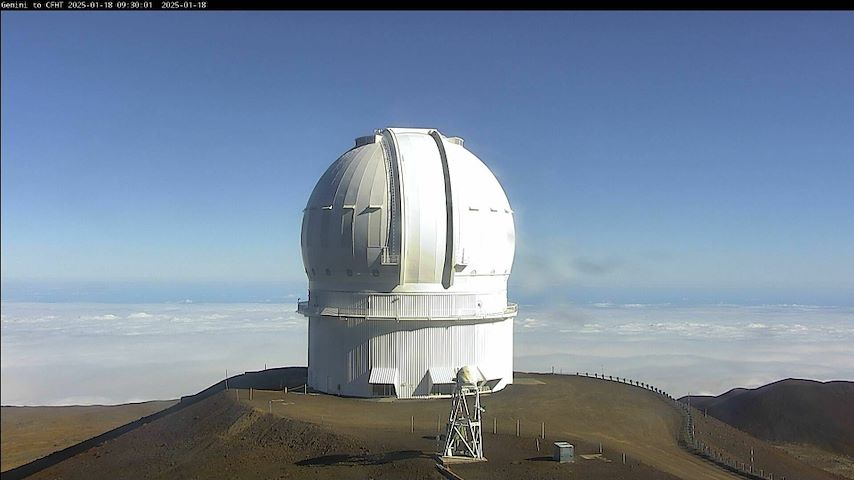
(342, 351)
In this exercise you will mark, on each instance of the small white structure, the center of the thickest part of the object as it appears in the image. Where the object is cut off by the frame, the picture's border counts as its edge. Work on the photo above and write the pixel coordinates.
(564, 452)
(407, 242)
(464, 435)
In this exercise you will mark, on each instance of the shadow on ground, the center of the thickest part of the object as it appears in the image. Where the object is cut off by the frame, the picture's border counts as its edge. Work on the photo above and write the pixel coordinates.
(365, 459)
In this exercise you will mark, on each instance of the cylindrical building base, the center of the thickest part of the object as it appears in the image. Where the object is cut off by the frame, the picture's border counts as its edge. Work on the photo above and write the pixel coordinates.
(407, 359)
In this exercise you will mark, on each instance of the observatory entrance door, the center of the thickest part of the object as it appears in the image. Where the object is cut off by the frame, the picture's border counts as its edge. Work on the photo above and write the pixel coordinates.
(383, 390)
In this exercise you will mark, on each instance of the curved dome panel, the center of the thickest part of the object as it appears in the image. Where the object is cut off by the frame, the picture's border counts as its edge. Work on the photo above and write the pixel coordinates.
(485, 237)
(345, 223)
(425, 219)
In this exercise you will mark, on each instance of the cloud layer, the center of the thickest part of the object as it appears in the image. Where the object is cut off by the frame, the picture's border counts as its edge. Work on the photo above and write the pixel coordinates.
(61, 353)
(106, 353)
(699, 349)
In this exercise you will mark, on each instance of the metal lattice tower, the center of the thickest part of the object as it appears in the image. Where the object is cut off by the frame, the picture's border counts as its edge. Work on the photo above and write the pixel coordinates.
(464, 435)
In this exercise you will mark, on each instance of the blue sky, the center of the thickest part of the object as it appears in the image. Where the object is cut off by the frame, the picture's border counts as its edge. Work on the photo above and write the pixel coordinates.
(652, 156)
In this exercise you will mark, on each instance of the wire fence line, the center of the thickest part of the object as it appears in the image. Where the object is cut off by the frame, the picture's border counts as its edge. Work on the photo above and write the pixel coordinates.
(687, 437)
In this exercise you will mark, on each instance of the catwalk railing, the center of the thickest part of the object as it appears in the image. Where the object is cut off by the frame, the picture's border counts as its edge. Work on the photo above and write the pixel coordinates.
(384, 306)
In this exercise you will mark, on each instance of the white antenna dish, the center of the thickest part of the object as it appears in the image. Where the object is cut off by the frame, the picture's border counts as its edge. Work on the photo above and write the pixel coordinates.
(470, 376)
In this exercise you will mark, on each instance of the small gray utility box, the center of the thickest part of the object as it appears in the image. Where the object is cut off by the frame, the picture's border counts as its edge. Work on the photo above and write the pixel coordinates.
(564, 452)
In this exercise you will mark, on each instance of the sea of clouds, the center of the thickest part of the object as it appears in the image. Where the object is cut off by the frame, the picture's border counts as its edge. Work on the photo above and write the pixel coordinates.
(69, 353)
(689, 349)
(76, 353)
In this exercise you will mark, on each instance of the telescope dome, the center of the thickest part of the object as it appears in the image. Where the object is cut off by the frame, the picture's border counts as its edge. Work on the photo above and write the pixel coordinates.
(408, 210)
(407, 243)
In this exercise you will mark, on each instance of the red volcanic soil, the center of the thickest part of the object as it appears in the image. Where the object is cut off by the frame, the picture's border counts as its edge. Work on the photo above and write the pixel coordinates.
(790, 411)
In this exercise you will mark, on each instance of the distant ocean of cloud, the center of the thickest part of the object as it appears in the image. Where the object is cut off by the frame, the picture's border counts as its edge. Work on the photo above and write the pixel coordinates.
(78, 353)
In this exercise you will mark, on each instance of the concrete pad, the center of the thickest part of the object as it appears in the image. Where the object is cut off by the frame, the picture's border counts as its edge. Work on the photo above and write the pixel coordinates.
(457, 460)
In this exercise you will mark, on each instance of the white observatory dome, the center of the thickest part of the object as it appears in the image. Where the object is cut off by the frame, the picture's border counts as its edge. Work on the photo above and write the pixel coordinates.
(407, 242)
(409, 210)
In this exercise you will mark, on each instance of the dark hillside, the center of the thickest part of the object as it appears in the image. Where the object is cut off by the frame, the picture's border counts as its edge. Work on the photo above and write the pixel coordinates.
(790, 411)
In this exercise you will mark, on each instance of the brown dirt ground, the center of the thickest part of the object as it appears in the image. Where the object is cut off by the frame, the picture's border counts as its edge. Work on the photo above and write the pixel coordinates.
(220, 437)
(278, 435)
(217, 437)
(835, 463)
(735, 445)
(585, 411)
(28, 433)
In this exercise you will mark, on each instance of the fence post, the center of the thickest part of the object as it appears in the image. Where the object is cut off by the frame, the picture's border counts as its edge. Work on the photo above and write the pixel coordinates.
(543, 431)
(412, 423)
(494, 425)
(517, 427)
